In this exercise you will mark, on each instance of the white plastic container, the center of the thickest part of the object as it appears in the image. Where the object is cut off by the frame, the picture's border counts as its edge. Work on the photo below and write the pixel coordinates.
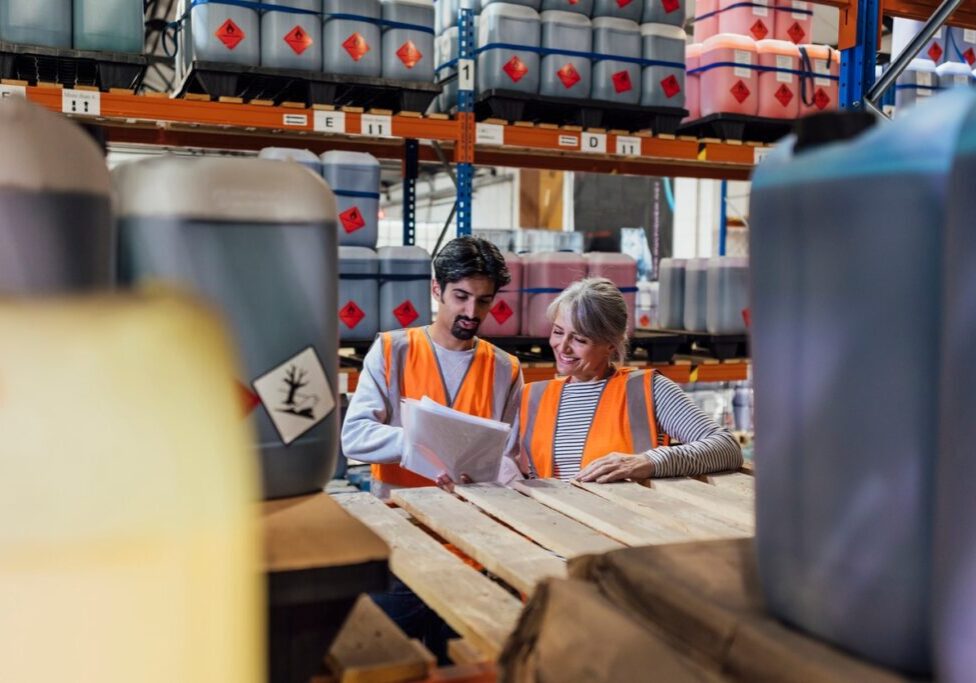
(291, 40)
(962, 45)
(223, 33)
(779, 91)
(563, 75)
(355, 179)
(954, 75)
(663, 85)
(351, 46)
(509, 68)
(695, 317)
(917, 82)
(616, 81)
(671, 305)
(306, 158)
(408, 53)
(404, 287)
(728, 295)
(902, 32)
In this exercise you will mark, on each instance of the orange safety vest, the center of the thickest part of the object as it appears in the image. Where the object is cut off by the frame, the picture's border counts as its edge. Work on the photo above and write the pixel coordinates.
(624, 421)
(412, 371)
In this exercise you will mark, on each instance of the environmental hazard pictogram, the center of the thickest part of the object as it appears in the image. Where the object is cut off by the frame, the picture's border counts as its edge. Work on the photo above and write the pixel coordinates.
(409, 54)
(351, 314)
(670, 86)
(297, 395)
(230, 34)
(622, 82)
(516, 69)
(502, 312)
(356, 46)
(740, 91)
(352, 220)
(406, 313)
(569, 75)
(298, 40)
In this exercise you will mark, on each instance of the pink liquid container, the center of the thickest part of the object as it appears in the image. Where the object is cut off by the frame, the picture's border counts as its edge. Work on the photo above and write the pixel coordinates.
(505, 317)
(756, 19)
(779, 91)
(821, 90)
(693, 81)
(729, 89)
(793, 21)
(545, 275)
(705, 26)
(621, 270)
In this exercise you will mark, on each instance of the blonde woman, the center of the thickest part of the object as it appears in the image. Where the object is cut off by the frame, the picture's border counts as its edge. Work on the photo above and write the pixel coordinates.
(602, 422)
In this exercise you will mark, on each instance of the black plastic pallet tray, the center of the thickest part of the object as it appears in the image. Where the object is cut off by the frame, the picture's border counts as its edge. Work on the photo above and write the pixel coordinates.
(660, 347)
(720, 346)
(738, 127)
(219, 79)
(514, 106)
(103, 70)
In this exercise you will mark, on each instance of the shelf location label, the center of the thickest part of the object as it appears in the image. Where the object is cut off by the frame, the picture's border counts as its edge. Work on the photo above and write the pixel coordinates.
(329, 122)
(594, 143)
(628, 146)
(489, 134)
(377, 126)
(84, 102)
(569, 141)
(761, 153)
(295, 120)
(12, 91)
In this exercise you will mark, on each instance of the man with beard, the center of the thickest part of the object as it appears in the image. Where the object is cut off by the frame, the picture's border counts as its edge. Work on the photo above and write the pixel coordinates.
(444, 361)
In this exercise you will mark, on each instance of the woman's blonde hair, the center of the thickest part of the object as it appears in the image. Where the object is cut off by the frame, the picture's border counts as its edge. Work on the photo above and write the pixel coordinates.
(598, 312)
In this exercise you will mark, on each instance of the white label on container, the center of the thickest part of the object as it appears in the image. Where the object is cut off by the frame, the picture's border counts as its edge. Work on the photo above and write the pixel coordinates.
(784, 62)
(923, 92)
(297, 395)
(969, 35)
(83, 102)
(466, 74)
(330, 122)
(12, 91)
(961, 80)
(296, 120)
(594, 143)
(569, 141)
(761, 153)
(820, 67)
(760, 10)
(742, 57)
(924, 78)
(489, 134)
(628, 146)
(938, 34)
(377, 126)
(803, 8)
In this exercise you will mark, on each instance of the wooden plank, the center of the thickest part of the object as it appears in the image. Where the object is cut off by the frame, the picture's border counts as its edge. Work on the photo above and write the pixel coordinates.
(548, 528)
(511, 557)
(462, 652)
(722, 504)
(473, 605)
(608, 518)
(669, 512)
(370, 648)
(738, 482)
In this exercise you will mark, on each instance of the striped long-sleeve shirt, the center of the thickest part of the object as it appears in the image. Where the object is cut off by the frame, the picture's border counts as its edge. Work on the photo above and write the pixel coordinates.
(704, 445)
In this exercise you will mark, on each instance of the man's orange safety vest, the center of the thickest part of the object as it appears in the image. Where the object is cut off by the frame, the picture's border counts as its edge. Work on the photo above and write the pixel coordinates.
(412, 371)
(624, 421)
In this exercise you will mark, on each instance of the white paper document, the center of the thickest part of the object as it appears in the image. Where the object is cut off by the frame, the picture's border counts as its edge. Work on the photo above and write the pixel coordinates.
(440, 440)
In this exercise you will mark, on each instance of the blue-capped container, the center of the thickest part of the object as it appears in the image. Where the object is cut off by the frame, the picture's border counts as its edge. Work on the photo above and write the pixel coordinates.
(351, 37)
(614, 80)
(408, 40)
(292, 39)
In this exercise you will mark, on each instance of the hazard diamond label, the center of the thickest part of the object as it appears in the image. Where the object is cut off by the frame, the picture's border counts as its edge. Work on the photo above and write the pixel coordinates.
(298, 40)
(796, 33)
(249, 400)
(569, 76)
(970, 56)
(784, 95)
(623, 3)
(670, 6)
(670, 86)
(352, 220)
(516, 69)
(351, 314)
(406, 313)
(621, 82)
(935, 52)
(740, 91)
(297, 395)
(645, 320)
(759, 30)
(356, 46)
(230, 34)
(502, 311)
(409, 54)
(821, 99)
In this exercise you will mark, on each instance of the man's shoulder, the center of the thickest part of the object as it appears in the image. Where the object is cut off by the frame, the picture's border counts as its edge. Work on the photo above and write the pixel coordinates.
(501, 353)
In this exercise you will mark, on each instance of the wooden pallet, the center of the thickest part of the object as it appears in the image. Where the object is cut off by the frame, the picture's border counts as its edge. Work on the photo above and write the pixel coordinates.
(522, 537)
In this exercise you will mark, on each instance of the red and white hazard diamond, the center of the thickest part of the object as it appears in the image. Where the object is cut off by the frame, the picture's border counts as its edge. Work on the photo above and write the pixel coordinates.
(670, 6)
(623, 3)
(759, 30)
(645, 320)
(298, 40)
(821, 99)
(516, 69)
(796, 33)
(569, 76)
(622, 82)
(352, 220)
(351, 314)
(935, 52)
(409, 54)
(249, 400)
(405, 313)
(970, 56)
(230, 34)
(502, 311)
(670, 86)
(784, 94)
(740, 91)
(356, 46)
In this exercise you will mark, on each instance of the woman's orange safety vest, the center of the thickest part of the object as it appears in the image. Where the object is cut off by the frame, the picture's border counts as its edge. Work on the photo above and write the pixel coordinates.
(412, 371)
(624, 421)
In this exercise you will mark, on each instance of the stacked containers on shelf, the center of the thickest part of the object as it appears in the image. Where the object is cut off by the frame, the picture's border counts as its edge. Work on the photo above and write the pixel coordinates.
(36, 22)
(505, 317)
(257, 239)
(918, 81)
(671, 293)
(445, 52)
(693, 81)
(954, 75)
(509, 68)
(844, 534)
(696, 295)
(355, 179)
(614, 80)
(404, 287)
(670, 12)
(728, 295)
(359, 294)
(292, 39)
(752, 19)
(706, 20)
(564, 75)
(663, 84)
(821, 91)
(962, 45)
(621, 270)
(306, 158)
(531, 4)
(779, 91)
(408, 43)
(55, 205)
(793, 21)
(544, 276)
(116, 26)
(584, 7)
(724, 88)
(222, 33)
(619, 9)
(352, 46)
(902, 32)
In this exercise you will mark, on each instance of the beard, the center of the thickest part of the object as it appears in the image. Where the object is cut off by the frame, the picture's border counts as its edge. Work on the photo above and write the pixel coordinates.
(462, 333)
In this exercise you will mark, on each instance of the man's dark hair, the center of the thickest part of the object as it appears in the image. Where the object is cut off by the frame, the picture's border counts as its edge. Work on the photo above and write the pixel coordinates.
(470, 257)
